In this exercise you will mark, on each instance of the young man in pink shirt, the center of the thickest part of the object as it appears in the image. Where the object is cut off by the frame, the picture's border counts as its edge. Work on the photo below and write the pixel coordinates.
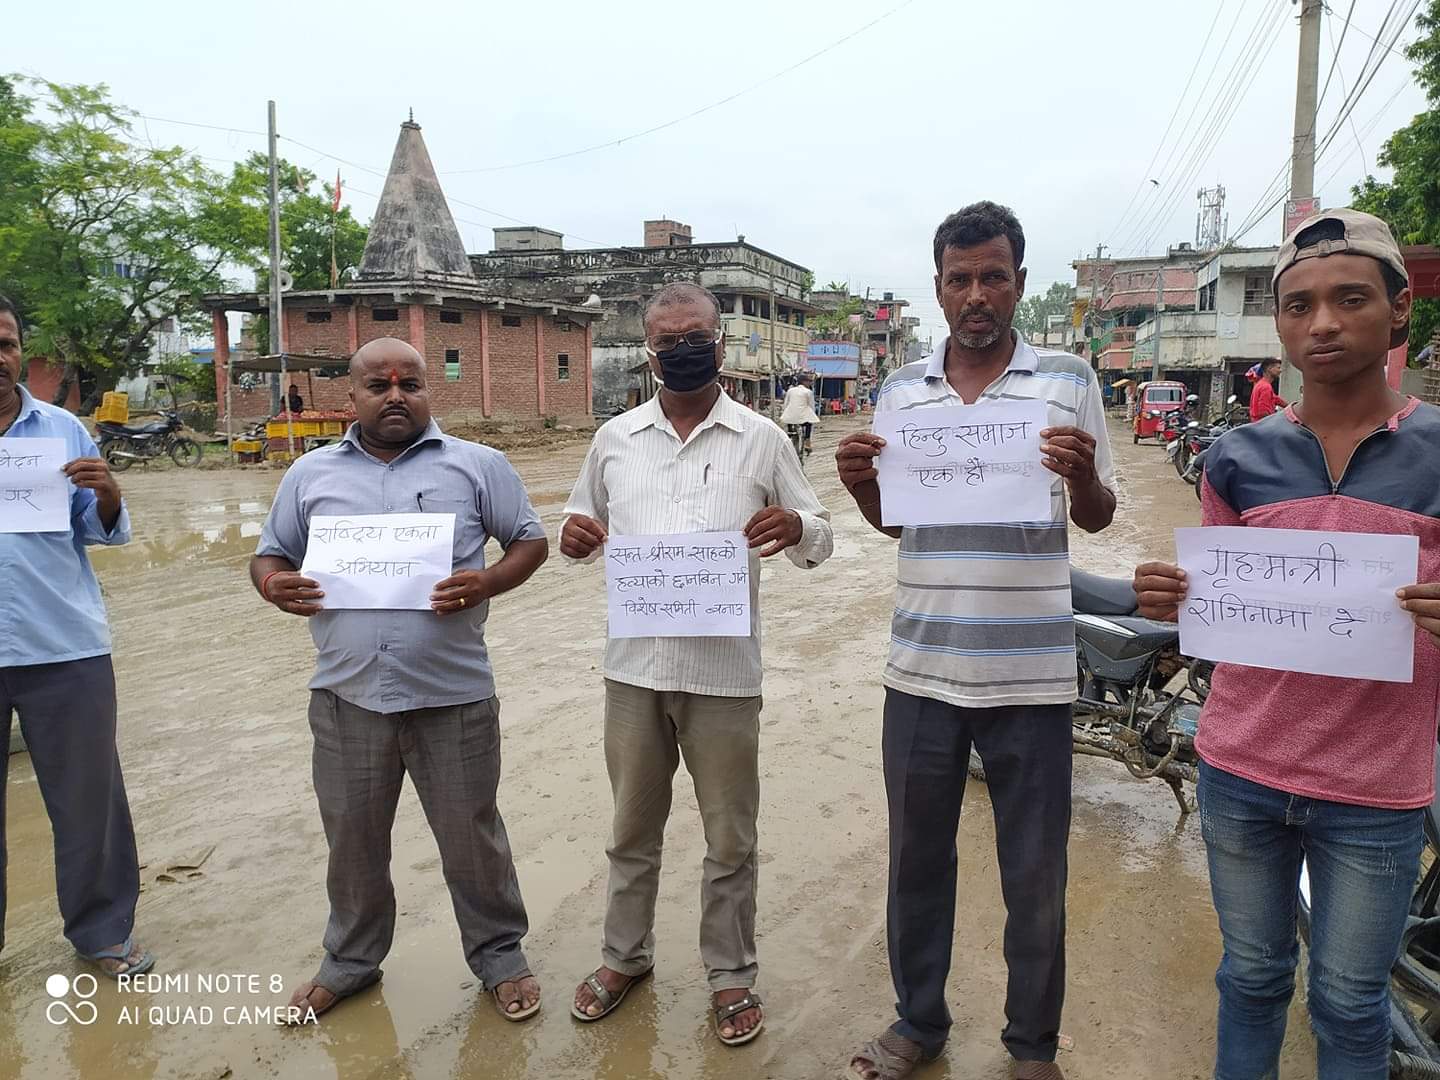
(1263, 399)
(1333, 770)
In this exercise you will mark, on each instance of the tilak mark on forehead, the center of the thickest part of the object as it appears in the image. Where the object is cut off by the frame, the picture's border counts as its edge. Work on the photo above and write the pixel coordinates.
(394, 377)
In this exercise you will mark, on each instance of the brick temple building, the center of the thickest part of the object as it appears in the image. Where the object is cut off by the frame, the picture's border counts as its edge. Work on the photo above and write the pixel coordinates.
(488, 355)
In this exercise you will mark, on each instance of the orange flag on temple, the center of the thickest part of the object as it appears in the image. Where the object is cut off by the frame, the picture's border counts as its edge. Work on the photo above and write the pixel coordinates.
(335, 203)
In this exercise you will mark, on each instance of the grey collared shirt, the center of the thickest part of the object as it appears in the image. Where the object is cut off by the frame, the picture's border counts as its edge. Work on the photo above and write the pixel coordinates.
(391, 661)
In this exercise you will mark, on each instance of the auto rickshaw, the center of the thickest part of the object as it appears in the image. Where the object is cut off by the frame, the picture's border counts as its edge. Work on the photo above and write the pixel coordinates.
(1152, 401)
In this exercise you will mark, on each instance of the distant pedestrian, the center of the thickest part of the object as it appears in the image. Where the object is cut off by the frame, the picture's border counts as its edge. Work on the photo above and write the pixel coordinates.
(798, 410)
(397, 692)
(55, 672)
(294, 401)
(1263, 399)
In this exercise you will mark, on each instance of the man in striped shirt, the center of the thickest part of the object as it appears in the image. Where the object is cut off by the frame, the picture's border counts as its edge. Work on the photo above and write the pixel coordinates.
(689, 460)
(983, 654)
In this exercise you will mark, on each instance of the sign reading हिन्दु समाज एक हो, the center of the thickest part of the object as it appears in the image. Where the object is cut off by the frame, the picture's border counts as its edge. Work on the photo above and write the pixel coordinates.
(1296, 600)
(379, 560)
(680, 585)
(963, 464)
(34, 491)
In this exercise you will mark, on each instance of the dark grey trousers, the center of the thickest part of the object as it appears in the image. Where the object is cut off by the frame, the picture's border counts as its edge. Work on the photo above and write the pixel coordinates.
(67, 714)
(453, 757)
(1027, 755)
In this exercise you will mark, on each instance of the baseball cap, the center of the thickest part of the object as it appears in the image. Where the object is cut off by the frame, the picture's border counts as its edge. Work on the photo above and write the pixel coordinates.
(1364, 234)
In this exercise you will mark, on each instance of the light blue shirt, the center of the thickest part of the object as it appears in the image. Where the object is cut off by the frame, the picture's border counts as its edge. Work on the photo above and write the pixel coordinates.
(50, 605)
(394, 661)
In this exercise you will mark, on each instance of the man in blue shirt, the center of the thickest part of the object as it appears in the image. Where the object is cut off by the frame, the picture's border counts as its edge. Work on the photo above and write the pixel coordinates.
(400, 691)
(55, 672)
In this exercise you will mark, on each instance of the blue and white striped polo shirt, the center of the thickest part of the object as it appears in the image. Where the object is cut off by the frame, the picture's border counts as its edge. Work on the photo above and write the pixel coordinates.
(982, 612)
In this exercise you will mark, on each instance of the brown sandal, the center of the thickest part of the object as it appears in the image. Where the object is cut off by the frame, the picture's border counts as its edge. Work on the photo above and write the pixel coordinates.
(521, 1013)
(891, 1057)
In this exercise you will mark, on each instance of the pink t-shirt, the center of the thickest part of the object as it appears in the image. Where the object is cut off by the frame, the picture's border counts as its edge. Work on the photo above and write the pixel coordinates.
(1342, 740)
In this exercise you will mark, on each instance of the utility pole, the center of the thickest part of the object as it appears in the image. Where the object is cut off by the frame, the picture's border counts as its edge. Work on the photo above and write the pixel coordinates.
(1302, 157)
(277, 317)
(1159, 306)
(773, 306)
(1307, 88)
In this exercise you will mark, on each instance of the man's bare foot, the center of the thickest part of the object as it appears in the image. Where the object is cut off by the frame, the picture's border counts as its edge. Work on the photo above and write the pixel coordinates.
(518, 995)
(611, 980)
(742, 1022)
(311, 998)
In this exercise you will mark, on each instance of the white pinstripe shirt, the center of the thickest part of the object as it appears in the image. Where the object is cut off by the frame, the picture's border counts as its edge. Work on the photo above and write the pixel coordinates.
(640, 479)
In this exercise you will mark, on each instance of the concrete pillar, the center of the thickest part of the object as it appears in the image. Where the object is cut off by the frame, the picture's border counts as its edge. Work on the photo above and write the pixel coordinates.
(540, 362)
(485, 362)
(417, 331)
(589, 368)
(221, 325)
(352, 328)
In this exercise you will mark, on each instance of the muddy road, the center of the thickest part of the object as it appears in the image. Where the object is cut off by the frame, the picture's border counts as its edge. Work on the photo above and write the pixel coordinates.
(216, 752)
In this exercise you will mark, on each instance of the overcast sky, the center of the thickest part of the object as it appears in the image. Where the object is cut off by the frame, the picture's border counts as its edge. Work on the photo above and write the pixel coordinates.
(844, 164)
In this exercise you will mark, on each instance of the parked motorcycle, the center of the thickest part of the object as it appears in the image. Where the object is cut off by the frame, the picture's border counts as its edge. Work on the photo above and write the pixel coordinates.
(1187, 454)
(1415, 978)
(1129, 709)
(122, 445)
(1173, 423)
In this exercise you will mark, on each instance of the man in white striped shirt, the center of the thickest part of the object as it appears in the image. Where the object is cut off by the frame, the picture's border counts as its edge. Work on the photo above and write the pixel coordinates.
(688, 460)
(982, 654)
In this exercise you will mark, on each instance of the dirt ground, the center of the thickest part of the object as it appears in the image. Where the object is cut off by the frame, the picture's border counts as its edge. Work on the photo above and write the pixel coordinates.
(216, 752)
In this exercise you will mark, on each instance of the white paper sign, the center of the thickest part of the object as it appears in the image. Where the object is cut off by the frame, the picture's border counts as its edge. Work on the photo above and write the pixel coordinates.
(379, 560)
(963, 464)
(685, 585)
(1295, 600)
(34, 491)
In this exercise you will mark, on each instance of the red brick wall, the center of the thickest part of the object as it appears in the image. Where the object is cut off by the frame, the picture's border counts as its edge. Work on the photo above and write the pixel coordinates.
(42, 379)
(565, 399)
(513, 390)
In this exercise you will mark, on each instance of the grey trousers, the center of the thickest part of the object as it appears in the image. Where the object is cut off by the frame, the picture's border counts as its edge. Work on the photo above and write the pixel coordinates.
(646, 731)
(453, 757)
(67, 713)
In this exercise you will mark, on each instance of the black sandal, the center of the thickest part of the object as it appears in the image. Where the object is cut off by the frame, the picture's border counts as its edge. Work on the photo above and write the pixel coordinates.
(751, 1000)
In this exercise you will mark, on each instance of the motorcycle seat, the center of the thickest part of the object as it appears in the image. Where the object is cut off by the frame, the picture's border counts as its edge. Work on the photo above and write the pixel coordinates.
(157, 428)
(1096, 595)
(1148, 635)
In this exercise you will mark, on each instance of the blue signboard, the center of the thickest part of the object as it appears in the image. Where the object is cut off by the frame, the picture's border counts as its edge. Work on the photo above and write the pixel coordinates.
(834, 369)
(841, 350)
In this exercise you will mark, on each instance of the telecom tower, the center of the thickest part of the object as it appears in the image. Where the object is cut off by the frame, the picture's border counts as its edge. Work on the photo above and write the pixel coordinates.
(1211, 223)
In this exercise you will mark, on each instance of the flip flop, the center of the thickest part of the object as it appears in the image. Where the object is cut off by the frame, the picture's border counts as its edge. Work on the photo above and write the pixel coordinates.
(522, 1013)
(122, 954)
(336, 999)
(608, 1002)
(751, 1000)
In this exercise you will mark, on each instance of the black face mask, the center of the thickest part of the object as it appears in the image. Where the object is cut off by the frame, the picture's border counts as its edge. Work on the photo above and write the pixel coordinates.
(687, 367)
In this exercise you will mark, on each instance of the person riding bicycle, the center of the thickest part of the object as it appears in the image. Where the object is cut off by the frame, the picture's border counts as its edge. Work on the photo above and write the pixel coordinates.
(798, 409)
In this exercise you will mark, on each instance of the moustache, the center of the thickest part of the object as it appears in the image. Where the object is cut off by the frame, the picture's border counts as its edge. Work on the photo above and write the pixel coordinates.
(395, 410)
(983, 312)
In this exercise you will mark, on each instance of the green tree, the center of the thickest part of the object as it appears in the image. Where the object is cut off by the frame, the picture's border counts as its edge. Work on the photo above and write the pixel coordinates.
(835, 324)
(1410, 202)
(306, 221)
(1033, 313)
(103, 239)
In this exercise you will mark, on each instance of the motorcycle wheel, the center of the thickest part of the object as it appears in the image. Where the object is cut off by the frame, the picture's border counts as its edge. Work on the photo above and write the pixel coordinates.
(117, 461)
(185, 453)
(1199, 496)
(1181, 460)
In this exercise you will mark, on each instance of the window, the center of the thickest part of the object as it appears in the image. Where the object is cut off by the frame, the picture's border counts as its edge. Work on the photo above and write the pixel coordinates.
(510, 320)
(562, 367)
(317, 316)
(452, 365)
(1207, 296)
(1258, 300)
(749, 305)
(727, 305)
(563, 324)
(385, 314)
(451, 316)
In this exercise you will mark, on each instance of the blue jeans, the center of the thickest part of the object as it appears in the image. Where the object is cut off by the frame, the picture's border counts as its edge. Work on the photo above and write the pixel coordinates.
(1363, 864)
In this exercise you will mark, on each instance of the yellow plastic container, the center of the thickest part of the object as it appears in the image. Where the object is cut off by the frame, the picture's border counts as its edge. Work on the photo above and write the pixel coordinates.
(332, 427)
(114, 408)
(247, 446)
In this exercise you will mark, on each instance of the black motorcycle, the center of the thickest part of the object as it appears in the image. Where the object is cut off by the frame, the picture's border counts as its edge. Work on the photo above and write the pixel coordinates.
(1415, 978)
(1130, 708)
(121, 445)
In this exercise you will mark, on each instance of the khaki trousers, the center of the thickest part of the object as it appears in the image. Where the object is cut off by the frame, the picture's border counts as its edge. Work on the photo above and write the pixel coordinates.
(646, 732)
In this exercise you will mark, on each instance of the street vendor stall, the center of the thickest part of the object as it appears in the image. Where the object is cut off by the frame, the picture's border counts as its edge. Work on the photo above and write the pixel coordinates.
(288, 434)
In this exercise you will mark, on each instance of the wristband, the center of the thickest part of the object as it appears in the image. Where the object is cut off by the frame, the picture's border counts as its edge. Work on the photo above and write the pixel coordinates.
(266, 581)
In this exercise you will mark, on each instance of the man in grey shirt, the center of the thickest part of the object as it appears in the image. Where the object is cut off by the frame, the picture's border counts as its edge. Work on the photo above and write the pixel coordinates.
(407, 691)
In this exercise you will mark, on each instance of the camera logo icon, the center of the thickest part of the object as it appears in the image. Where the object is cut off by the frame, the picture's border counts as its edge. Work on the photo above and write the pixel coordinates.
(60, 1010)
